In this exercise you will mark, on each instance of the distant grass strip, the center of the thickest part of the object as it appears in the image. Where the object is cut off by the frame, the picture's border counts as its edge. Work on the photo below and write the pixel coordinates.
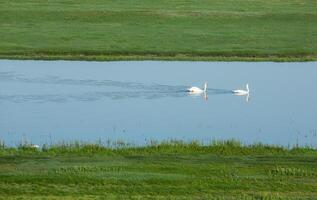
(165, 170)
(257, 30)
(226, 147)
(176, 57)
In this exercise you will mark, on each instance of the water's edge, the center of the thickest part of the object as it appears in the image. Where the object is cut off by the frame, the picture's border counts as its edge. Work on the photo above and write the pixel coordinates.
(150, 57)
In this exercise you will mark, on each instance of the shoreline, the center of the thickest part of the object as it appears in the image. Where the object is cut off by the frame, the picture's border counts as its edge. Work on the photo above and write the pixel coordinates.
(156, 57)
(224, 170)
(221, 147)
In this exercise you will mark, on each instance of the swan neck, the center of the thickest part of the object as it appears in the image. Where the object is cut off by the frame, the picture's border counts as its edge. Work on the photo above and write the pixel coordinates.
(205, 87)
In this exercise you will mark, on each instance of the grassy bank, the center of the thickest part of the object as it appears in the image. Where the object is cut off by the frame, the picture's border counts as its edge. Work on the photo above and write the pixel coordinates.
(159, 30)
(172, 170)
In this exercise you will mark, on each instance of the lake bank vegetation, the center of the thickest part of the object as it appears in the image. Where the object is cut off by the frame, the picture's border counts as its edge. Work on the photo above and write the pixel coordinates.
(260, 30)
(220, 147)
(160, 170)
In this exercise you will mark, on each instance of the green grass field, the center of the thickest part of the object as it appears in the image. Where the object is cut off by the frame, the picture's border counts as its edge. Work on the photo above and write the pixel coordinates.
(159, 29)
(177, 170)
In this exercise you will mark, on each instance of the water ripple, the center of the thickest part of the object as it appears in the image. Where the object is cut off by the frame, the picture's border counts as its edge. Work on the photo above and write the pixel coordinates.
(95, 96)
(11, 76)
(131, 90)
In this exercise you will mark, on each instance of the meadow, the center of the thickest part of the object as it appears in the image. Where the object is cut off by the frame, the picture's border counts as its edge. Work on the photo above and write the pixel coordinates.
(166, 170)
(254, 30)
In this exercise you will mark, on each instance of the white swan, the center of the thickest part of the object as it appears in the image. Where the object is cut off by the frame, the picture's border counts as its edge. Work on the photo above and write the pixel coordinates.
(242, 92)
(196, 90)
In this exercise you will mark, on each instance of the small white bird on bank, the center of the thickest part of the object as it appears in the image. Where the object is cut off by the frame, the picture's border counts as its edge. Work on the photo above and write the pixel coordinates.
(35, 146)
(197, 90)
(242, 92)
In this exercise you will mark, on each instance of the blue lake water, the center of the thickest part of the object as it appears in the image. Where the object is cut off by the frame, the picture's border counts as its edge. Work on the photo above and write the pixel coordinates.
(54, 101)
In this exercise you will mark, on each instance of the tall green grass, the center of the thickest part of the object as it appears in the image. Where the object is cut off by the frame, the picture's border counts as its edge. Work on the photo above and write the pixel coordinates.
(170, 169)
(221, 147)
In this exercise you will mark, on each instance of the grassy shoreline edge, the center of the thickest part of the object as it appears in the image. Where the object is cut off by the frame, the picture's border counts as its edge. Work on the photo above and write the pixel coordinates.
(157, 57)
(171, 170)
(218, 147)
(214, 30)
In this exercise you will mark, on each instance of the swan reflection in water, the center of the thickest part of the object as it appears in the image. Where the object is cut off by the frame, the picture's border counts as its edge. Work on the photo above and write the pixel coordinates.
(195, 95)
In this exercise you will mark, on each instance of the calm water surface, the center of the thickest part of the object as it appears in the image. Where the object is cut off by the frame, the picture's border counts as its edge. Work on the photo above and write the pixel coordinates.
(53, 101)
